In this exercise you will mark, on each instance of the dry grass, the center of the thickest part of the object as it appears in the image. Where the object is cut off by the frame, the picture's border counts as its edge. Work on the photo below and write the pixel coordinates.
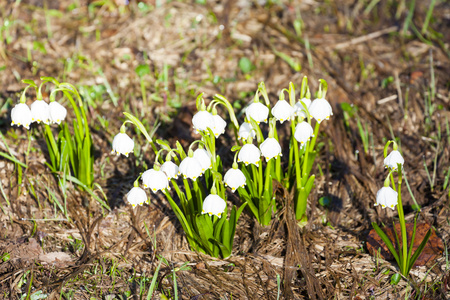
(351, 49)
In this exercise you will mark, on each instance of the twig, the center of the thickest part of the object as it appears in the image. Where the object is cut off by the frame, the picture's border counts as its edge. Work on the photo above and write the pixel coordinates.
(363, 38)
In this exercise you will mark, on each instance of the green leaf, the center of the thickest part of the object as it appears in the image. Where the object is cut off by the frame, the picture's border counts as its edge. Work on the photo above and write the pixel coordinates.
(13, 159)
(246, 65)
(395, 279)
(235, 148)
(30, 82)
(164, 144)
(386, 240)
(142, 70)
(325, 201)
(419, 250)
(139, 125)
(50, 79)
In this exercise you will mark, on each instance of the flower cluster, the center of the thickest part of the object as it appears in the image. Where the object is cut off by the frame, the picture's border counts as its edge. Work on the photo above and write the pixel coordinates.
(41, 111)
(203, 182)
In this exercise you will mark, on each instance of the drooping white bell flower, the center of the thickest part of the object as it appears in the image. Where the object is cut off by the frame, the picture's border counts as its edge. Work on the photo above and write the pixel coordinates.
(122, 144)
(136, 196)
(245, 129)
(303, 133)
(155, 180)
(249, 154)
(202, 120)
(204, 158)
(57, 112)
(190, 167)
(393, 159)
(257, 111)
(21, 115)
(219, 125)
(282, 111)
(170, 169)
(299, 109)
(40, 112)
(213, 205)
(387, 197)
(320, 110)
(270, 148)
(234, 178)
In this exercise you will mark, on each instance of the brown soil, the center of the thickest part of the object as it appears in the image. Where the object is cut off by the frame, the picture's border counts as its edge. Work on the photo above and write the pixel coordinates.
(98, 253)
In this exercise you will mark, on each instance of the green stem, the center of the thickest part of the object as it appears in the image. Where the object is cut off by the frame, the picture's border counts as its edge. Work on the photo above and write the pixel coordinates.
(298, 176)
(401, 216)
(316, 133)
(260, 178)
(144, 94)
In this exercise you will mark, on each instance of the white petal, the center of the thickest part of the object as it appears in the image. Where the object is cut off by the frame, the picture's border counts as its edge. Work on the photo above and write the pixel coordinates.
(203, 120)
(190, 168)
(257, 111)
(234, 178)
(136, 196)
(320, 109)
(282, 111)
(299, 109)
(122, 144)
(249, 154)
(270, 148)
(214, 205)
(219, 125)
(245, 129)
(303, 132)
(155, 180)
(57, 112)
(387, 197)
(40, 112)
(170, 169)
(393, 159)
(204, 158)
(21, 115)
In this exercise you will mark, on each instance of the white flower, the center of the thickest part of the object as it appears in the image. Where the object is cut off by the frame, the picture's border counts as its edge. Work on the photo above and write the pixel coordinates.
(136, 196)
(257, 111)
(320, 110)
(249, 154)
(57, 112)
(219, 125)
(282, 111)
(40, 112)
(204, 158)
(155, 180)
(190, 168)
(213, 205)
(245, 129)
(122, 144)
(299, 109)
(234, 178)
(303, 132)
(170, 169)
(203, 120)
(393, 159)
(21, 115)
(387, 197)
(270, 148)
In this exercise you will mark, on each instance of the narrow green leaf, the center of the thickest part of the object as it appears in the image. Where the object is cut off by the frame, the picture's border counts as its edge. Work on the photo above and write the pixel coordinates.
(386, 240)
(419, 250)
(139, 125)
(13, 159)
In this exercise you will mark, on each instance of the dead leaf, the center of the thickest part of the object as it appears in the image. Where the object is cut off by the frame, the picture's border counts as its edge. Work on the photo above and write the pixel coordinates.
(431, 251)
